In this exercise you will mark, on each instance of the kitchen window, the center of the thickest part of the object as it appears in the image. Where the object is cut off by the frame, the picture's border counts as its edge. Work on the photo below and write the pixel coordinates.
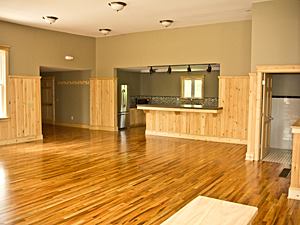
(3, 81)
(192, 87)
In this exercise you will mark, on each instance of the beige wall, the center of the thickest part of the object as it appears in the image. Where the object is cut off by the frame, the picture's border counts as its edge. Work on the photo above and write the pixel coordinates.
(32, 48)
(226, 43)
(276, 33)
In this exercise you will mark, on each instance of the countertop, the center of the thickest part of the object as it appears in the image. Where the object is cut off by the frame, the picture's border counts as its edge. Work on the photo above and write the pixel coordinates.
(181, 108)
(296, 127)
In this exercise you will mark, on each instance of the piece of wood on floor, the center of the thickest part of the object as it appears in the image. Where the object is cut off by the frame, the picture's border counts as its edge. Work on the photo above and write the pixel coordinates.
(204, 210)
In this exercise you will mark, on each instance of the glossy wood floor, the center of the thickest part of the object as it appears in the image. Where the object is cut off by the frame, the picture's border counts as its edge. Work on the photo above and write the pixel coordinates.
(78, 176)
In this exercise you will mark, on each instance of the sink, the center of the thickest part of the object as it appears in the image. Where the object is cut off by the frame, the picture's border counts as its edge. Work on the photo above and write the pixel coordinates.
(192, 106)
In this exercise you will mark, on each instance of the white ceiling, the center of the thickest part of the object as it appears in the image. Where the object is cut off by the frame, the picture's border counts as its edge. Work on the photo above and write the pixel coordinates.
(85, 17)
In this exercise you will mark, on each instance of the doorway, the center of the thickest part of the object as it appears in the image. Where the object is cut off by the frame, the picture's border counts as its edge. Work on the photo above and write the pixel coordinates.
(268, 86)
(284, 106)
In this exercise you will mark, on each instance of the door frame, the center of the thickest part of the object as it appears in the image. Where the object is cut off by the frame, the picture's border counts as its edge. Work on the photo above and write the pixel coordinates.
(52, 79)
(255, 106)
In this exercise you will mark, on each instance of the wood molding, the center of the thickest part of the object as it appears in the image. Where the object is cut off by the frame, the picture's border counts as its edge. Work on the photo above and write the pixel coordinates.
(278, 68)
(249, 157)
(75, 125)
(234, 77)
(21, 140)
(197, 137)
(24, 77)
(104, 78)
(103, 128)
(294, 193)
(154, 108)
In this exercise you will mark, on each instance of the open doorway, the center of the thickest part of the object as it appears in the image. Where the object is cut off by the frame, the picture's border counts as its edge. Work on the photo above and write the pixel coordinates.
(65, 97)
(280, 109)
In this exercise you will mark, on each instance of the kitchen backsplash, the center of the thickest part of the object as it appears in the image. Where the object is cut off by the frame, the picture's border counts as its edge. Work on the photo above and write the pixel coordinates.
(173, 100)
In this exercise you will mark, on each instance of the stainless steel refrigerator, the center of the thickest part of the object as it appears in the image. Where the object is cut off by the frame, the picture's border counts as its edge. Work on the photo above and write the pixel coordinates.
(123, 110)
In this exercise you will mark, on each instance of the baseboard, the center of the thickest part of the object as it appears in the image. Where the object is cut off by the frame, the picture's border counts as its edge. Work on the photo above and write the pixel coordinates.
(294, 193)
(197, 137)
(103, 128)
(75, 125)
(249, 157)
(21, 140)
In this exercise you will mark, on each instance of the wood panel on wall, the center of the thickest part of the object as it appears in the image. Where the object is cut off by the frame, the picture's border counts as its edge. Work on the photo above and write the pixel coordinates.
(24, 111)
(48, 99)
(103, 103)
(230, 125)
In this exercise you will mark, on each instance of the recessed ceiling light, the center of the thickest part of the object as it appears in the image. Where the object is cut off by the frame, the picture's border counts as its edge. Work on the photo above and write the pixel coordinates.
(117, 6)
(166, 23)
(105, 31)
(50, 19)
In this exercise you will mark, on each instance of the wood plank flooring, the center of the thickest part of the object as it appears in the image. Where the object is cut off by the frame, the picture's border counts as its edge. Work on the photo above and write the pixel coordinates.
(77, 176)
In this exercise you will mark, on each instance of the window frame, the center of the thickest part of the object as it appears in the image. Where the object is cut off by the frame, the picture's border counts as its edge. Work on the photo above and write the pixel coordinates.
(6, 49)
(192, 78)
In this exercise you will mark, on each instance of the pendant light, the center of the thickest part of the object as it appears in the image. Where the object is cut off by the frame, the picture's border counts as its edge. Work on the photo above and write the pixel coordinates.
(189, 69)
(151, 70)
(169, 69)
(117, 6)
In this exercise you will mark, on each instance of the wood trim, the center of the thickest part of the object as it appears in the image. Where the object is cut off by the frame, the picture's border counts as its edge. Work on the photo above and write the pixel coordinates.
(75, 125)
(278, 68)
(294, 193)
(196, 137)
(104, 78)
(234, 77)
(21, 140)
(149, 108)
(24, 77)
(92, 127)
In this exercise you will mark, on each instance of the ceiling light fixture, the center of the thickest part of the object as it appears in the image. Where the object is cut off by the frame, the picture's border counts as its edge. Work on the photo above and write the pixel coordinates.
(208, 68)
(169, 69)
(189, 69)
(69, 57)
(166, 23)
(117, 6)
(50, 19)
(105, 31)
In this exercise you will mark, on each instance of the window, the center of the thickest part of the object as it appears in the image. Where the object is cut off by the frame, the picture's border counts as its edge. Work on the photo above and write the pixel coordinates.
(3, 77)
(192, 87)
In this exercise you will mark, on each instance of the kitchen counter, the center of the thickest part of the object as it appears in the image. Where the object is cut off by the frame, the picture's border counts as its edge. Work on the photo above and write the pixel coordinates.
(181, 108)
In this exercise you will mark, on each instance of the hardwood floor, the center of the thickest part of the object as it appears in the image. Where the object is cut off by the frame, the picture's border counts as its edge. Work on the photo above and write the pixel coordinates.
(77, 176)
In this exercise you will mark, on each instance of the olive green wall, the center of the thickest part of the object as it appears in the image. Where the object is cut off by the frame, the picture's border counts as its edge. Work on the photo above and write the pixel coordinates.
(164, 84)
(275, 33)
(226, 43)
(71, 100)
(286, 84)
(32, 48)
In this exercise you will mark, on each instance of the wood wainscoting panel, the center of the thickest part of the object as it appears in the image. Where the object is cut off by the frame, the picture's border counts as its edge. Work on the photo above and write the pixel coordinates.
(229, 125)
(24, 111)
(103, 103)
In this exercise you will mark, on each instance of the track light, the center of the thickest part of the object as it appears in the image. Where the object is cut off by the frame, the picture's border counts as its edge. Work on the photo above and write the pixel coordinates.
(151, 70)
(189, 69)
(209, 68)
(169, 69)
